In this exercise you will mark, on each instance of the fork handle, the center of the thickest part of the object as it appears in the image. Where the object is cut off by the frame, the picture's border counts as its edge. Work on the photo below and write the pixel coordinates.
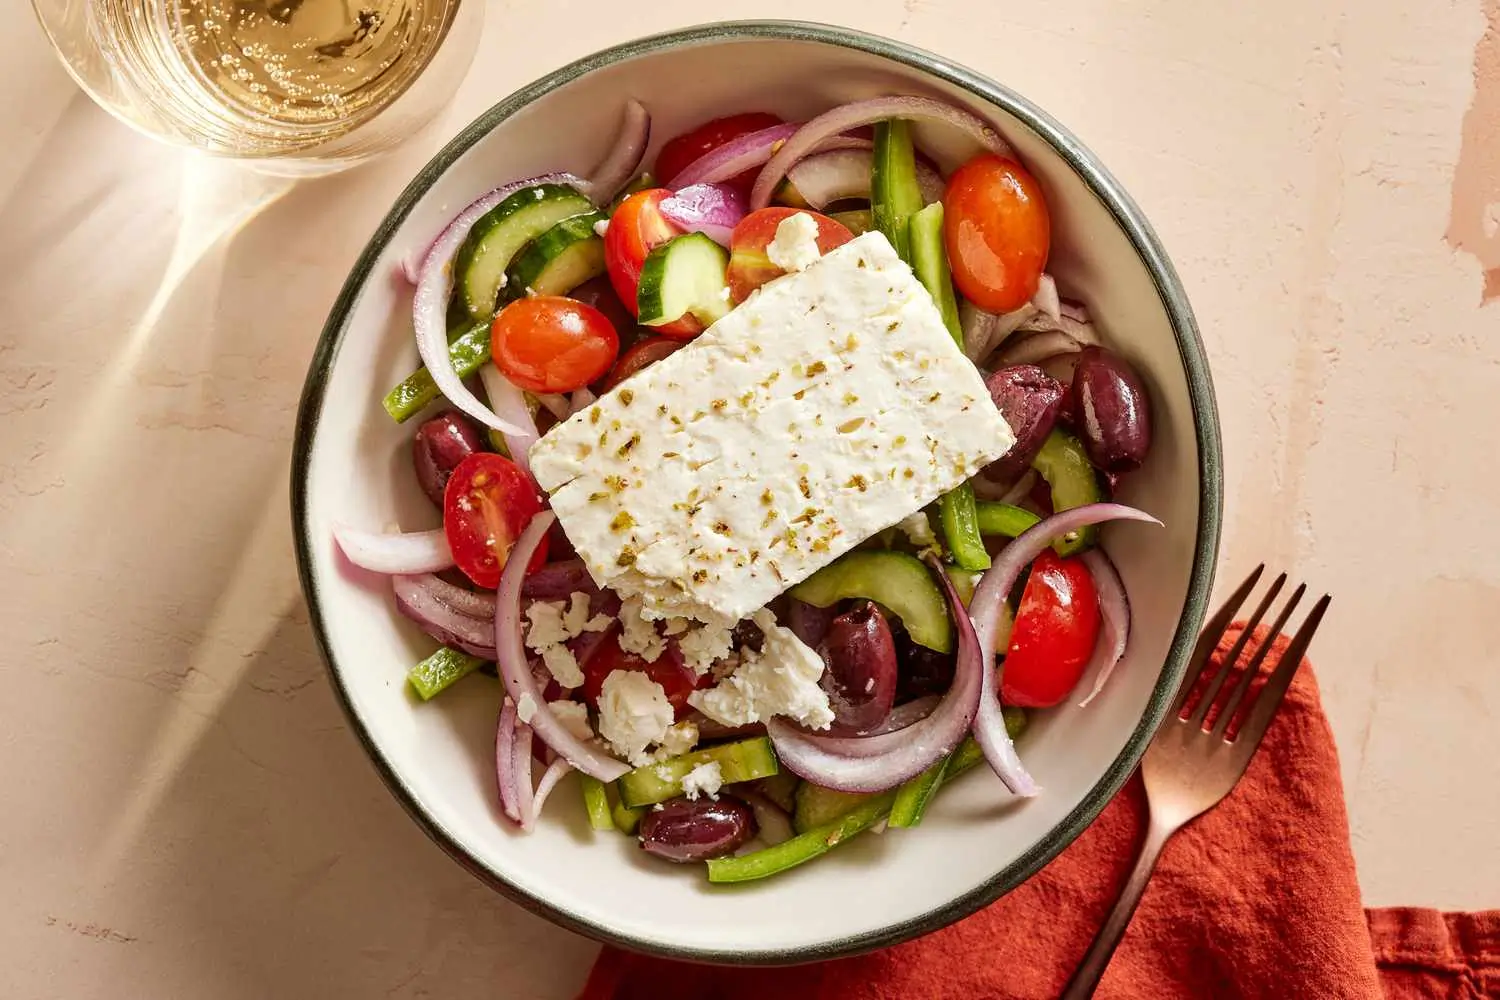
(1091, 970)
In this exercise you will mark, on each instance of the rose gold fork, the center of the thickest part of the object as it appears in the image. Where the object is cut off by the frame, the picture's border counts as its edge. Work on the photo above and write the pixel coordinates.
(1189, 768)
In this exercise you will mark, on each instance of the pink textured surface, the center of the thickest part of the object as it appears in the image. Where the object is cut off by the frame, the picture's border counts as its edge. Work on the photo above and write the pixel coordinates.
(1310, 165)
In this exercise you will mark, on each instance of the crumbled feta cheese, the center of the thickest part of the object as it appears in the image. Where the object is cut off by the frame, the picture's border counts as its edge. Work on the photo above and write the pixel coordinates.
(796, 243)
(827, 407)
(706, 645)
(676, 626)
(552, 624)
(679, 739)
(601, 227)
(781, 679)
(705, 779)
(546, 621)
(918, 530)
(563, 666)
(526, 708)
(633, 714)
(573, 716)
(638, 633)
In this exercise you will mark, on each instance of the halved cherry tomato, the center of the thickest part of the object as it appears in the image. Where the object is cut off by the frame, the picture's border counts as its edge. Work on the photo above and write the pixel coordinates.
(1056, 627)
(997, 231)
(637, 228)
(680, 153)
(487, 504)
(643, 354)
(548, 343)
(749, 267)
(674, 676)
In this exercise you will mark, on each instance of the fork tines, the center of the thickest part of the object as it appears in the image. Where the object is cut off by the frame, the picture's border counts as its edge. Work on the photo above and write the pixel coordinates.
(1222, 711)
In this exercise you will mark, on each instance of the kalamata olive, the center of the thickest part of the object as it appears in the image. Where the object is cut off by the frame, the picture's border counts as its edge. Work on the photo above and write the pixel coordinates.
(861, 674)
(921, 671)
(696, 830)
(1028, 398)
(1111, 411)
(441, 443)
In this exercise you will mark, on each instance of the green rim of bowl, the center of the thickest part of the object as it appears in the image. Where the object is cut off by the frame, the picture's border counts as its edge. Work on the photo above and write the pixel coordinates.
(1200, 388)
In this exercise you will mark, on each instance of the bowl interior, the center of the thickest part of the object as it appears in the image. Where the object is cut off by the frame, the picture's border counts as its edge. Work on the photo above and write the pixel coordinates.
(977, 841)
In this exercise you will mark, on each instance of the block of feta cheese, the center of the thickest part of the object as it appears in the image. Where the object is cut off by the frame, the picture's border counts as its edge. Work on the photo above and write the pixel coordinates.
(830, 405)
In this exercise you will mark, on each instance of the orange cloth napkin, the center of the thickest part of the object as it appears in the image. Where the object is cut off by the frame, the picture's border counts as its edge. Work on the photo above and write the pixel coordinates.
(1256, 899)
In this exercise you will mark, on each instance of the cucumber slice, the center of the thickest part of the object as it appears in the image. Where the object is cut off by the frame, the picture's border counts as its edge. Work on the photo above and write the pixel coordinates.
(596, 803)
(627, 819)
(467, 352)
(1065, 465)
(897, 581)
(684, 276)
(817, 805)
(742, 761)
(894, 194)
(500, 234)
(438, 672)
(559, 260)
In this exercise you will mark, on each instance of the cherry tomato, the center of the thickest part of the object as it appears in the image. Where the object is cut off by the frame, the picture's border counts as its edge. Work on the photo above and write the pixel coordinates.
(1053, 638)
(637, 228)
(997, 232)
(487, 504)
(548, 343)
(674, 676)
(749, 267)
(643, 354)
(682, 151)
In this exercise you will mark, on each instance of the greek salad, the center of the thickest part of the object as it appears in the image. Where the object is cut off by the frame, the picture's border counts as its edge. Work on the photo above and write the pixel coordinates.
(770, 479)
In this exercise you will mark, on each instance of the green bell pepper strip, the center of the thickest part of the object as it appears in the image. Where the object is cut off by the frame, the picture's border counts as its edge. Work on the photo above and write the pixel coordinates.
(915, 795)
(596, 802)
(894, 194)
(440, 670)
(1003, 519)
(930, 261)
(467, 352)
(1065, 465)
(821, 839)
(897, 581)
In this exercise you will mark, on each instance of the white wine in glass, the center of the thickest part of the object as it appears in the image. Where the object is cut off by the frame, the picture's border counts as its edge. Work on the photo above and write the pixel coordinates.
(295, 86)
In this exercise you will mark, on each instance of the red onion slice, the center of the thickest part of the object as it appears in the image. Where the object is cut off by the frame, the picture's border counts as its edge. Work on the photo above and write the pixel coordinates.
(906, 714)
(511, 659)
(470, 603)
(554, 403)
(513, 763)
(582, 399)
(832, 761)
(850, 116)
(415, 598)
(557, 581)
(733, 158)
(823, 178)
(1075, 311)
(509, 402)
(1035, 348)
(555, 772)
(772, 823)
(711, 209)
(1064, 322)
(1046, 298)
(989, 595)
(623, 160)
(398, 552)
(435, 286)
(1114, 608)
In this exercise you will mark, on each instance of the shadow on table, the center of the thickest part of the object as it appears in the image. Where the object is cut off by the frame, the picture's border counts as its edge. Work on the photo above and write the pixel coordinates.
(227, 808)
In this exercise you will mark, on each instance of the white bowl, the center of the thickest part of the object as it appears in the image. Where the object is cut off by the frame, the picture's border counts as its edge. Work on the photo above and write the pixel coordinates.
(351, 463)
